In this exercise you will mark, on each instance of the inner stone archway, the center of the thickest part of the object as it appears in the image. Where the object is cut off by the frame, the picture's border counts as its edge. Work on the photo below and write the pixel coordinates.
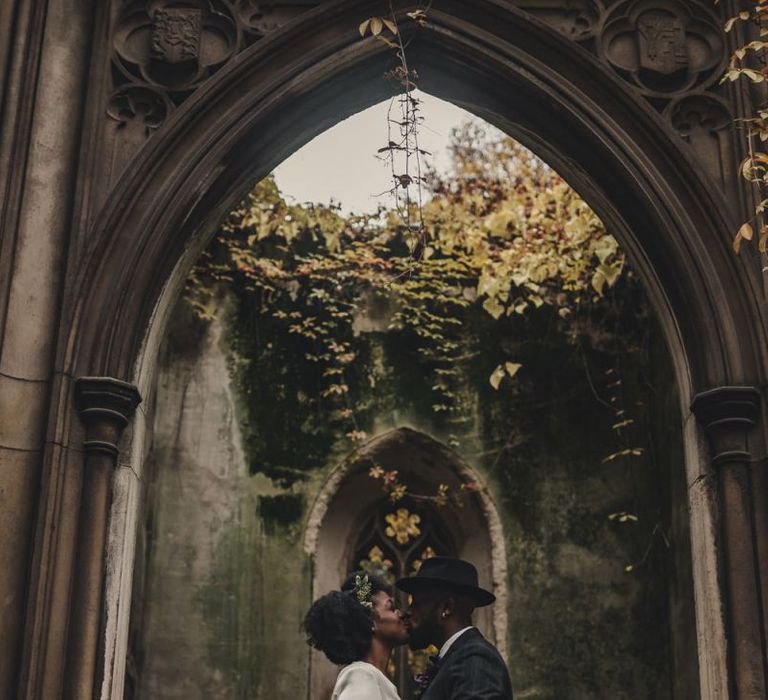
(350, 496)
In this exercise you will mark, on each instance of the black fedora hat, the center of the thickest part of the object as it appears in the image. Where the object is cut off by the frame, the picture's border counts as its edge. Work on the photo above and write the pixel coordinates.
(451, 573)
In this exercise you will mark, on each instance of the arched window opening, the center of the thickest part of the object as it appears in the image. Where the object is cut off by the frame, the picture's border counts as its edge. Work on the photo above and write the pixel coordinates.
(354, 525)
(392, 544)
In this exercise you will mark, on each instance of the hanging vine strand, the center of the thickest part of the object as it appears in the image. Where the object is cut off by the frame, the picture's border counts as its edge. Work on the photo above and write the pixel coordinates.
(402, 151)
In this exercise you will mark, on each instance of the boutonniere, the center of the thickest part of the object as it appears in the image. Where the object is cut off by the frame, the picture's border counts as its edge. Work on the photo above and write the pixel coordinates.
(425, 678)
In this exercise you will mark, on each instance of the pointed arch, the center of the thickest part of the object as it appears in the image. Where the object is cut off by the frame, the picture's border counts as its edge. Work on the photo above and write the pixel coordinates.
(349, 495)
(493, 59)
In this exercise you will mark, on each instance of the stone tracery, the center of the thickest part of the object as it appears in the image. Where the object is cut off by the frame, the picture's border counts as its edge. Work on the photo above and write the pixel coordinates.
(664, 48)
(163, 50)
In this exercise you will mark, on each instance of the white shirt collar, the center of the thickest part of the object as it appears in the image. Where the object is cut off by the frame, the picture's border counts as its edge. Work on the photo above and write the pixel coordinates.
(449, 642)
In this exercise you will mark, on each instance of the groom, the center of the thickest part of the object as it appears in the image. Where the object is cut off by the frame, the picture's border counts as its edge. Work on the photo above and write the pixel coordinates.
(444, 593)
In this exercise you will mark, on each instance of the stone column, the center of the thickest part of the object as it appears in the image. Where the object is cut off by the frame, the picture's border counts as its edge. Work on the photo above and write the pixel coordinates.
(106, 406)
(44, 52)
(727, 414)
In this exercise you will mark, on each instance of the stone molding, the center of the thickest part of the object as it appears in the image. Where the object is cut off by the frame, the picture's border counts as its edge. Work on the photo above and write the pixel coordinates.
(663, 48)
(106, 406)
(727, 414)
(162, 51)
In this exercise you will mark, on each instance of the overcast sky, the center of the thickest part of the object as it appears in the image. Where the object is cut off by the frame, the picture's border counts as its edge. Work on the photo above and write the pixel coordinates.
(340, 164)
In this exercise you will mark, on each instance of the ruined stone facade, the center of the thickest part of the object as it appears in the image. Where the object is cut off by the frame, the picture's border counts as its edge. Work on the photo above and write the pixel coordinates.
(129, 128)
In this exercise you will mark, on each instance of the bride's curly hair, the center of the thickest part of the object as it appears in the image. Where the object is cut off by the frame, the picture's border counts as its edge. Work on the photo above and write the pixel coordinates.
(339, 625)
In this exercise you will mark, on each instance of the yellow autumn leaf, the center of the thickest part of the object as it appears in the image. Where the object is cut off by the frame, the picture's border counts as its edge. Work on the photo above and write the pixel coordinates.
(496, 376)
(598, 282)
(610, 272)
(389, 24)
(744, 15)
(761, 245)
(493, 307)
(753, 75)
(746, 168)
(744, 232)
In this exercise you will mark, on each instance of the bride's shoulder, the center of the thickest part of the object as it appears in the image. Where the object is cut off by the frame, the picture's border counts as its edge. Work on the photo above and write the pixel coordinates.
(358, 670)
(361, 679)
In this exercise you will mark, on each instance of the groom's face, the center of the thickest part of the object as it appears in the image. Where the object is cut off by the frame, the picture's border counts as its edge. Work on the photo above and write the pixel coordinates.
(422, 618)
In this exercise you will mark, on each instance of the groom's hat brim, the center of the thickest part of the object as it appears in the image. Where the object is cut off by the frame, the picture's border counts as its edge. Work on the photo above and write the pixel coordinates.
(479, 596)
(451, 574)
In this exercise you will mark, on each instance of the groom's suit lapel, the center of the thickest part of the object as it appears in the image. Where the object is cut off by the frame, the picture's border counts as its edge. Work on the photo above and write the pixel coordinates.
(440, 687)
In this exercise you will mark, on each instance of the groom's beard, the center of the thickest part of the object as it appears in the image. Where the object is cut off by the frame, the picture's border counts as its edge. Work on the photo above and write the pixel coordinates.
(428, 632)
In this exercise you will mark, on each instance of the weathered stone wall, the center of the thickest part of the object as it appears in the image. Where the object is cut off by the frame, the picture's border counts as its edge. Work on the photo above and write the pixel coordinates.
(218, 608)
(226, 584)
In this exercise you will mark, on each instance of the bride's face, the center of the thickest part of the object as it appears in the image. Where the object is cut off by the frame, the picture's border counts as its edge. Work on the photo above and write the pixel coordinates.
(388, 620)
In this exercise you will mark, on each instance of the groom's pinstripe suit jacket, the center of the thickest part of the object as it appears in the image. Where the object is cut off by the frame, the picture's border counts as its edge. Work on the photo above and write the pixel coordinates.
(471, 670)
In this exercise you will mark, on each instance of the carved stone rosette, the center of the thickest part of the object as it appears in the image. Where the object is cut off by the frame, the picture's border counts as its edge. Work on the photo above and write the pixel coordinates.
(164, 49)
(174, 46)
(672, 52)
(664, 47)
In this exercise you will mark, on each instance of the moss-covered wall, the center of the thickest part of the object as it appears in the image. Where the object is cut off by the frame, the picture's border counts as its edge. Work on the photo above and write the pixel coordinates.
(600, 604)
(226, 580)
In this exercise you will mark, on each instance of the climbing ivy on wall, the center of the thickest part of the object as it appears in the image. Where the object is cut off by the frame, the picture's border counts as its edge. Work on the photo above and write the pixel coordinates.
(323, 298)
(748, 66)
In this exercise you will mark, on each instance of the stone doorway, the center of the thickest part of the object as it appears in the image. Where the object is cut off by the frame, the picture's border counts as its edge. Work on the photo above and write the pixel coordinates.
(554, 83)
(352, 525)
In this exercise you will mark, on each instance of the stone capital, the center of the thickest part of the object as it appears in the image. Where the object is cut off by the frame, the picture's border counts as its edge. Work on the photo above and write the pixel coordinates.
(727, 414)
(106, 406)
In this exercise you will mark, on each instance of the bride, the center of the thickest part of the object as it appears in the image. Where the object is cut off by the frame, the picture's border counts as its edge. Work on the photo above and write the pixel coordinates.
(357, 628)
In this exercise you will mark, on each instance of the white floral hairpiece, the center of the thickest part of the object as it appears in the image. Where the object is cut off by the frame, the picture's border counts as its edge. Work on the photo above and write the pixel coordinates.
(363, 591)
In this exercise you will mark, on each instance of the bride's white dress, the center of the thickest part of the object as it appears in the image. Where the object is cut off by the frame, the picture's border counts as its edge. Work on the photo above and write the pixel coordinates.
(363, 681)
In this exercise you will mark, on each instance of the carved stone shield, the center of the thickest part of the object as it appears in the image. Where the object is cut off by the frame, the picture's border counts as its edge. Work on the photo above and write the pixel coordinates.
(662, 43)
(176, 34)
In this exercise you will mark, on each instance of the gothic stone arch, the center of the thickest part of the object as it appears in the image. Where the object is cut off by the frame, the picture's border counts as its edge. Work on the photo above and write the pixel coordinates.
(578, 82)
(349, 495)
